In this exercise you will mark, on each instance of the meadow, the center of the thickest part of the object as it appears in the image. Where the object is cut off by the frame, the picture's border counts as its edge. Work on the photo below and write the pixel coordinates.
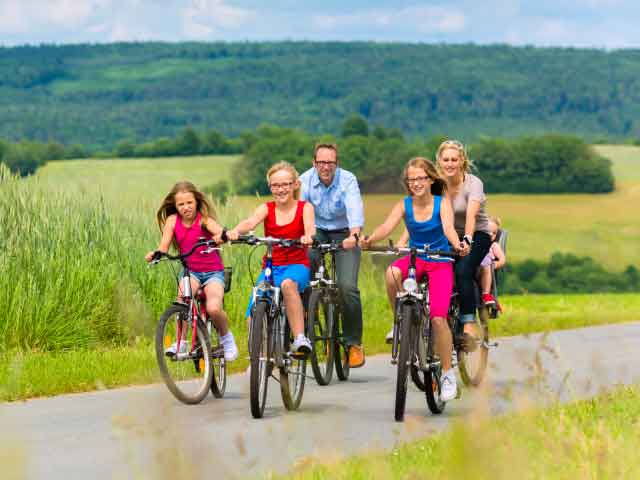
(79, 303)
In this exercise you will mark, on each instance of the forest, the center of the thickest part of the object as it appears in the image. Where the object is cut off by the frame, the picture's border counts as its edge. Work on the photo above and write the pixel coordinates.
(99, 95)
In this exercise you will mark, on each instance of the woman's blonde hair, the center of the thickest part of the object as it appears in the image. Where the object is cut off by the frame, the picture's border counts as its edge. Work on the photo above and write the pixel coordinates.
(289, 168)
(168, 206)
(439, 185)
(456, 145)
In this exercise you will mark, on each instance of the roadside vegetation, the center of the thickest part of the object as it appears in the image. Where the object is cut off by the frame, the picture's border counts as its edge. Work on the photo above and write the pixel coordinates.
(596, 438)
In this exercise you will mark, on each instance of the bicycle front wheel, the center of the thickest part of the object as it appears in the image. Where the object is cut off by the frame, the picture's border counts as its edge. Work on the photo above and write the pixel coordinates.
(320, 332)
(259, 359)
(407, 338)
(184, 361)
(472, 358)
(292, 376)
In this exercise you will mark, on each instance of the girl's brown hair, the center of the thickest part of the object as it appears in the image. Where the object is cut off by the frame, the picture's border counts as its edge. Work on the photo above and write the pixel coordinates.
(168, 206)
(439, 185)
(455, 145)
(289, 168)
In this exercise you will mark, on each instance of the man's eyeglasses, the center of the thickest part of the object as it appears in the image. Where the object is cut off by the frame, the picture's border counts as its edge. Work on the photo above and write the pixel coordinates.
(280, 186)
(322, 163)
(413, 180)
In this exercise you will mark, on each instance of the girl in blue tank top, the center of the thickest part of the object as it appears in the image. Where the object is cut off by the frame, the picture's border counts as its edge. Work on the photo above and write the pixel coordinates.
(429, 220)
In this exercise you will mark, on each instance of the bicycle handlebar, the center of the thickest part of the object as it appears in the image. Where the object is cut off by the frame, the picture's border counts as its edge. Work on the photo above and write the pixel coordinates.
(254, 240)
(210, 244)
(389, 250)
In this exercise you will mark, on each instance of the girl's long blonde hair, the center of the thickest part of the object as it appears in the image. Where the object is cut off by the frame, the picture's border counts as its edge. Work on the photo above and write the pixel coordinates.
(168, 206)
(456, 145)
(439, 185)
(289, 168)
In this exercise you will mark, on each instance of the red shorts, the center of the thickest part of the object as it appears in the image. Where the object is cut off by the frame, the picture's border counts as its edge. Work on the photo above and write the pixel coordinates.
(440, 276)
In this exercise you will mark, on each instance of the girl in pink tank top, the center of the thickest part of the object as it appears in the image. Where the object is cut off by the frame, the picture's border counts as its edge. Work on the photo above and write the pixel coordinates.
(286, 217)
(184, 216)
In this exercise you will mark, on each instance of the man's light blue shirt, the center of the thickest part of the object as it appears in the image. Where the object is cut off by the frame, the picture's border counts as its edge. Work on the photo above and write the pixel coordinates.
(338, 205)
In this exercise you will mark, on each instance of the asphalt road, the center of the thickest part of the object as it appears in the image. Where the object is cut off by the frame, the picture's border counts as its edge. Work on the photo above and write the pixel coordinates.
(143, 432)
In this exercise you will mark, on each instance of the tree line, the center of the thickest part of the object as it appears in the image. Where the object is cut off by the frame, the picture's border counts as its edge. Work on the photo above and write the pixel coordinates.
(377, 155)
(97, 95)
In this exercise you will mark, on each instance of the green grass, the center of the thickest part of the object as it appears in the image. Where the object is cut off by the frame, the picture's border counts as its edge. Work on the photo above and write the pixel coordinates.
(597, 438)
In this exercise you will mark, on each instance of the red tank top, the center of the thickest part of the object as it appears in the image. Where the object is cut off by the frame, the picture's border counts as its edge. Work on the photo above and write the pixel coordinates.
(293, 231)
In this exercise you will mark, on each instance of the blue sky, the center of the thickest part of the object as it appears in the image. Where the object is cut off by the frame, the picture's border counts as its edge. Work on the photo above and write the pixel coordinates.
(580, 23)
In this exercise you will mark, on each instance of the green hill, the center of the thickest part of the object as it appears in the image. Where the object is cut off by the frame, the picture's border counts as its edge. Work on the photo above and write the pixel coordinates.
(99, 94)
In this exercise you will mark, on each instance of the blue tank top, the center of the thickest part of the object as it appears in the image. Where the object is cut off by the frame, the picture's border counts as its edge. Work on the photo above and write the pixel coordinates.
(429, 232)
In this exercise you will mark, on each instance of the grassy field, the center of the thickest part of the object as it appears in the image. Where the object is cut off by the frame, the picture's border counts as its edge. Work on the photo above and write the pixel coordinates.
(595, 438)
(77, 297)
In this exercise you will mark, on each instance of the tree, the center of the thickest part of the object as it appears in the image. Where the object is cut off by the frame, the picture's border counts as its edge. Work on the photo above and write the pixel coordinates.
(355, 125)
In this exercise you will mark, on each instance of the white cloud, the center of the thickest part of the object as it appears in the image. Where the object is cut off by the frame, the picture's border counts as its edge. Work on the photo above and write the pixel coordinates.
(203, 18)
(423, 19)
(25, 16)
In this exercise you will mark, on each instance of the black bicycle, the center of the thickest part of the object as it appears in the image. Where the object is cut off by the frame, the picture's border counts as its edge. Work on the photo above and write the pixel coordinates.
(412, 346)
(188, 363)
(324, 322)
(270, 337)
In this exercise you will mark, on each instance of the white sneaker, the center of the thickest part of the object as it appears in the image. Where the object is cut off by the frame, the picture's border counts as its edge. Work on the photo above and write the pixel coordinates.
(230, 347)
(301, 344)
(449, 388)
(171, 351)
(389, 338)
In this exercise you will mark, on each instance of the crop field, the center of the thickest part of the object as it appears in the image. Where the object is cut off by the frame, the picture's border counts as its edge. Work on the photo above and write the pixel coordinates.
(75, 284)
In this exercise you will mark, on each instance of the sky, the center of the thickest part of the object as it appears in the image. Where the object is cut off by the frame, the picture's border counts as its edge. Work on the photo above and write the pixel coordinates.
(578, 23)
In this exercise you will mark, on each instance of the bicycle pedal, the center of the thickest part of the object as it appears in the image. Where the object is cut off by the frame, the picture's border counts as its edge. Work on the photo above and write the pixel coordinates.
(489, 344)
(394, 361)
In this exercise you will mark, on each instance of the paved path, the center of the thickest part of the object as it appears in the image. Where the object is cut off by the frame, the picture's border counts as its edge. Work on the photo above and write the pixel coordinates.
(142, 432)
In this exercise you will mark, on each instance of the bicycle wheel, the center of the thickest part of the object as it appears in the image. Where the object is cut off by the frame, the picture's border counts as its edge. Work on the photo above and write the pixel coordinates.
(320, 332)
(292, 375)
(472, 359)
(407, 338)
(219, 364)
(341, 351)
(187, 372)
(259, 359)
(433, 390)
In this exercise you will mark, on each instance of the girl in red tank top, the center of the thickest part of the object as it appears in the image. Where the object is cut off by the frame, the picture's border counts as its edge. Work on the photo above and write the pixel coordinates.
(183, 217)
(285, 217)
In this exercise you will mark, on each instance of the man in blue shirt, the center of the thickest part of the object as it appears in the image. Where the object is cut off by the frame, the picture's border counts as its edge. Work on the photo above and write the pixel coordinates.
(335, 195)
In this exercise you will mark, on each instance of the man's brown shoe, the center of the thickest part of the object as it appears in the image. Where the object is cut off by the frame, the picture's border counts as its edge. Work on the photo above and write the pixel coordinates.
(356, 356)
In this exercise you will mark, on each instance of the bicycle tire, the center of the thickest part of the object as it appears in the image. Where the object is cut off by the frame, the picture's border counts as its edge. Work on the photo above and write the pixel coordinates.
(341, 351)
(219, 364)
(188, 375)
(320, 331)
(259, 359)
(292, 375)
(433, 391)
(407, 338)
(473, 365)
(417, 378)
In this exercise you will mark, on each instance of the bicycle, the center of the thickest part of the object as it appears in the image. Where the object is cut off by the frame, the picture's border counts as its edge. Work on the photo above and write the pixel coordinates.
(412, 345)
(195, 367)
(324, 325)
(270, 337)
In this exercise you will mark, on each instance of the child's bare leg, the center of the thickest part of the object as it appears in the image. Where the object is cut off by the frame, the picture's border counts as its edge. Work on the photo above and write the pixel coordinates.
(485, 279)
(393, 278)
(215, 294)
(294, 306)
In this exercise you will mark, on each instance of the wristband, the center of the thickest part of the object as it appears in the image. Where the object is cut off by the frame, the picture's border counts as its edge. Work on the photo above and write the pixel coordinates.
(468, 240)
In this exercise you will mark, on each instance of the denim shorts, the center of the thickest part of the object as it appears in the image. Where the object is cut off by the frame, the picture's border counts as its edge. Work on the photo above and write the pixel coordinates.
(205, 278)
(297, 272)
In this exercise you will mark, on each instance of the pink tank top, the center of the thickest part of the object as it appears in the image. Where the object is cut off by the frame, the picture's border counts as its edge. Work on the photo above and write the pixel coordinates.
(187, 237)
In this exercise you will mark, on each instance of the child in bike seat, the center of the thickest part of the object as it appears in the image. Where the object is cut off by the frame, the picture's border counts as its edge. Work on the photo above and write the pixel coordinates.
(184, 217)
(285, 217)
(428, 218)
(495, 257)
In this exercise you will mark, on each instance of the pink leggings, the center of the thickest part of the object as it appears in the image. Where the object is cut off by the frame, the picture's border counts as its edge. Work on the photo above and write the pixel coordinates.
(440, 276)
